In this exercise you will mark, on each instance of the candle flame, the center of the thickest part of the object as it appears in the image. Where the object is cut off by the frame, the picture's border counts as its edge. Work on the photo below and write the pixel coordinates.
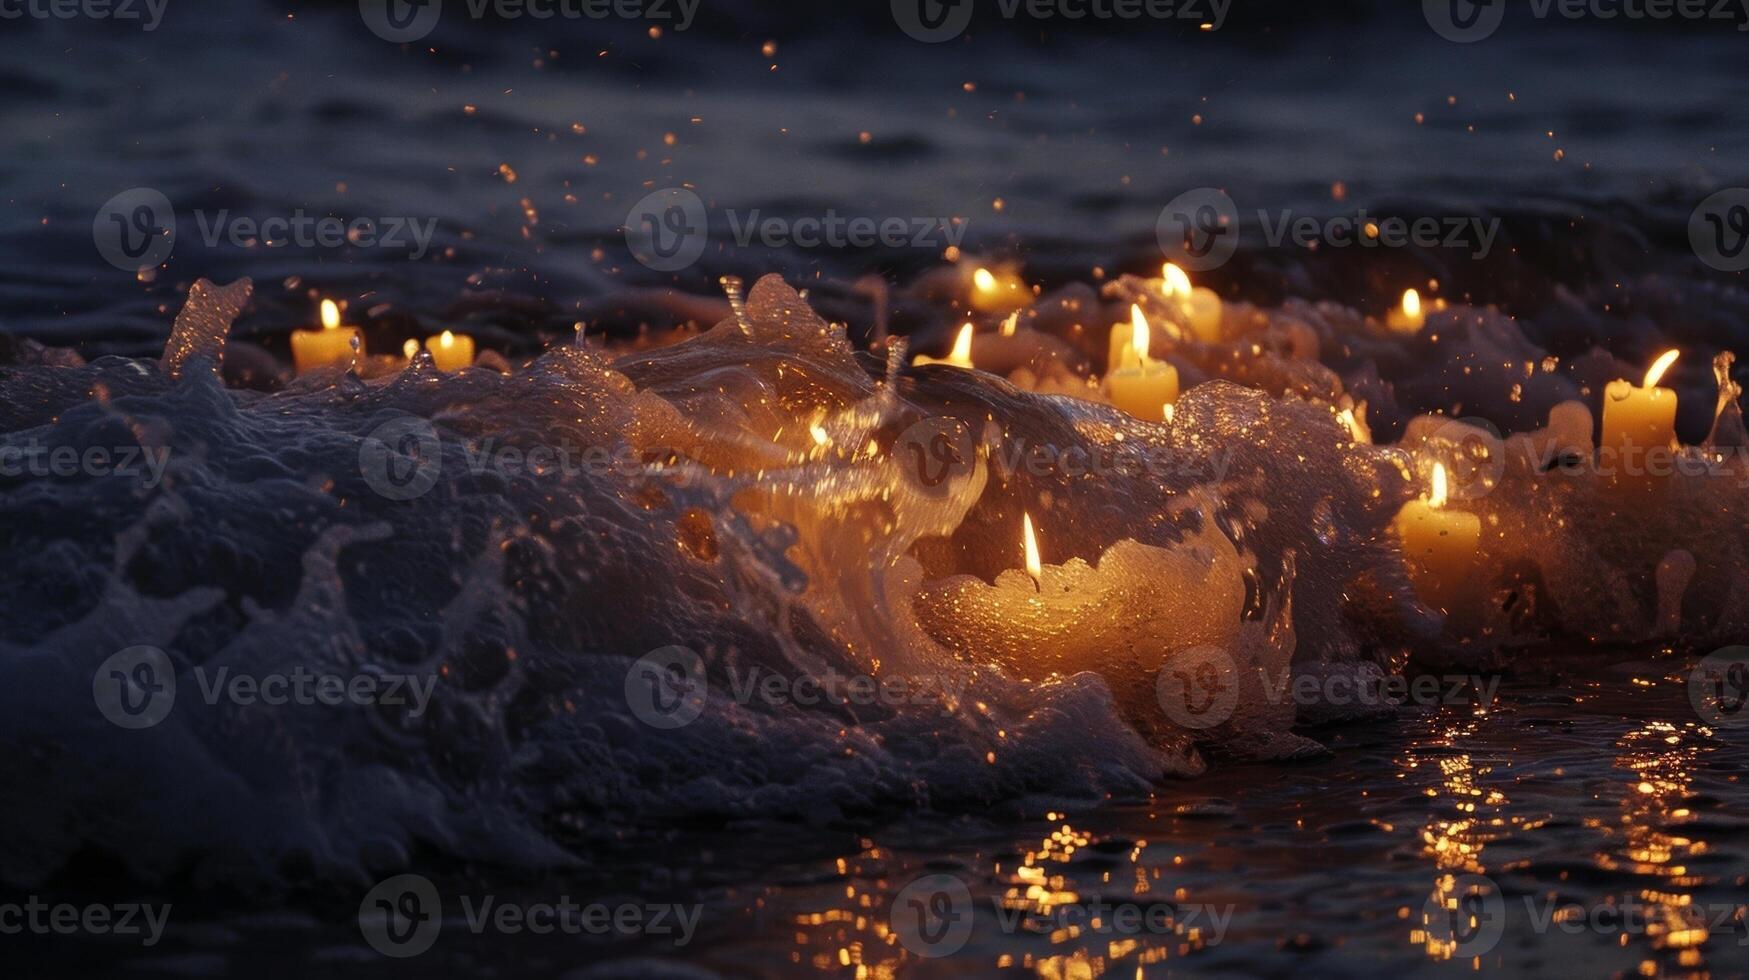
(447, 340)
(1662, 364)
(1011, 324)
(1139, 332)
(1166, 413)
(330, 315)
(984, 281)
(410, 348)
(962, 347)
(1437, 497)
(821, 437)
(1411, 303)
(1177, 283)
(1034, 567)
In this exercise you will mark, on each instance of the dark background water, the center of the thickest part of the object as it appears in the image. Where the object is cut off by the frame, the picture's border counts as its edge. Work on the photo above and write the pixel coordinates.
(1593, 140)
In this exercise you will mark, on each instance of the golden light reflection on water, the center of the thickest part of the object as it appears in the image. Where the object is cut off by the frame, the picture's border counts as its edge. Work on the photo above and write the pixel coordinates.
(1029, 888)
(1456, 837)
(1645, 839)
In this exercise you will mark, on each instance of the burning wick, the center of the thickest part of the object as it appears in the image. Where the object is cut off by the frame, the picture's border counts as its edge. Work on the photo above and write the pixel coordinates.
(1407, 318)
(960, 356)
(1201, 308)
(451, 351)
(1142, 385)
(1638, 420)
(1439, 545)
(1034, 567)
(333, 344)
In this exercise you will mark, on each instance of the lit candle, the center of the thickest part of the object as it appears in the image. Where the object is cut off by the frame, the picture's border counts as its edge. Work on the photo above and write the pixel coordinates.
(960, 356)
(333, 344)
(1130, 609)
(1637, 420)
(1200, 307)
(1120, 345)
(450, 351)
(1142, 387)
(993, 292)
(1407, 318)
(1439, 545)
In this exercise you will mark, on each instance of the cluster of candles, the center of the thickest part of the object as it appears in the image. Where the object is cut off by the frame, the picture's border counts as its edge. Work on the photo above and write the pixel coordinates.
(1439, 542)
(339, 345)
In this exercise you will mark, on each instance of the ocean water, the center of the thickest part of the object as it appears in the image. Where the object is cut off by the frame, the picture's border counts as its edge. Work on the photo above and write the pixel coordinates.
(1587, 803)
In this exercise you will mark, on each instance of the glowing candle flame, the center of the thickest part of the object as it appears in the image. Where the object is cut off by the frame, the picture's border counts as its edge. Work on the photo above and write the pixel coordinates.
(1662, 364)
(1011, 324)
(962, 348)
(1411, 303)
(1034, 567)
(1170, 408)
(821, 438)
(1177, 283)
(330, 315)
(1139, 332)
(447, 340)
(1437, 497)
(984, 281)
(410, 348)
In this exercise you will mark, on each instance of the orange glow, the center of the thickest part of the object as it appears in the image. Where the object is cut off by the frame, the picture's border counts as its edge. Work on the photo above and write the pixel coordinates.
(1139, 332)
(962, 347)
(1411, 303)
(1437, 497)
(1662, 364)
(330, 315)
(1034, 567)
